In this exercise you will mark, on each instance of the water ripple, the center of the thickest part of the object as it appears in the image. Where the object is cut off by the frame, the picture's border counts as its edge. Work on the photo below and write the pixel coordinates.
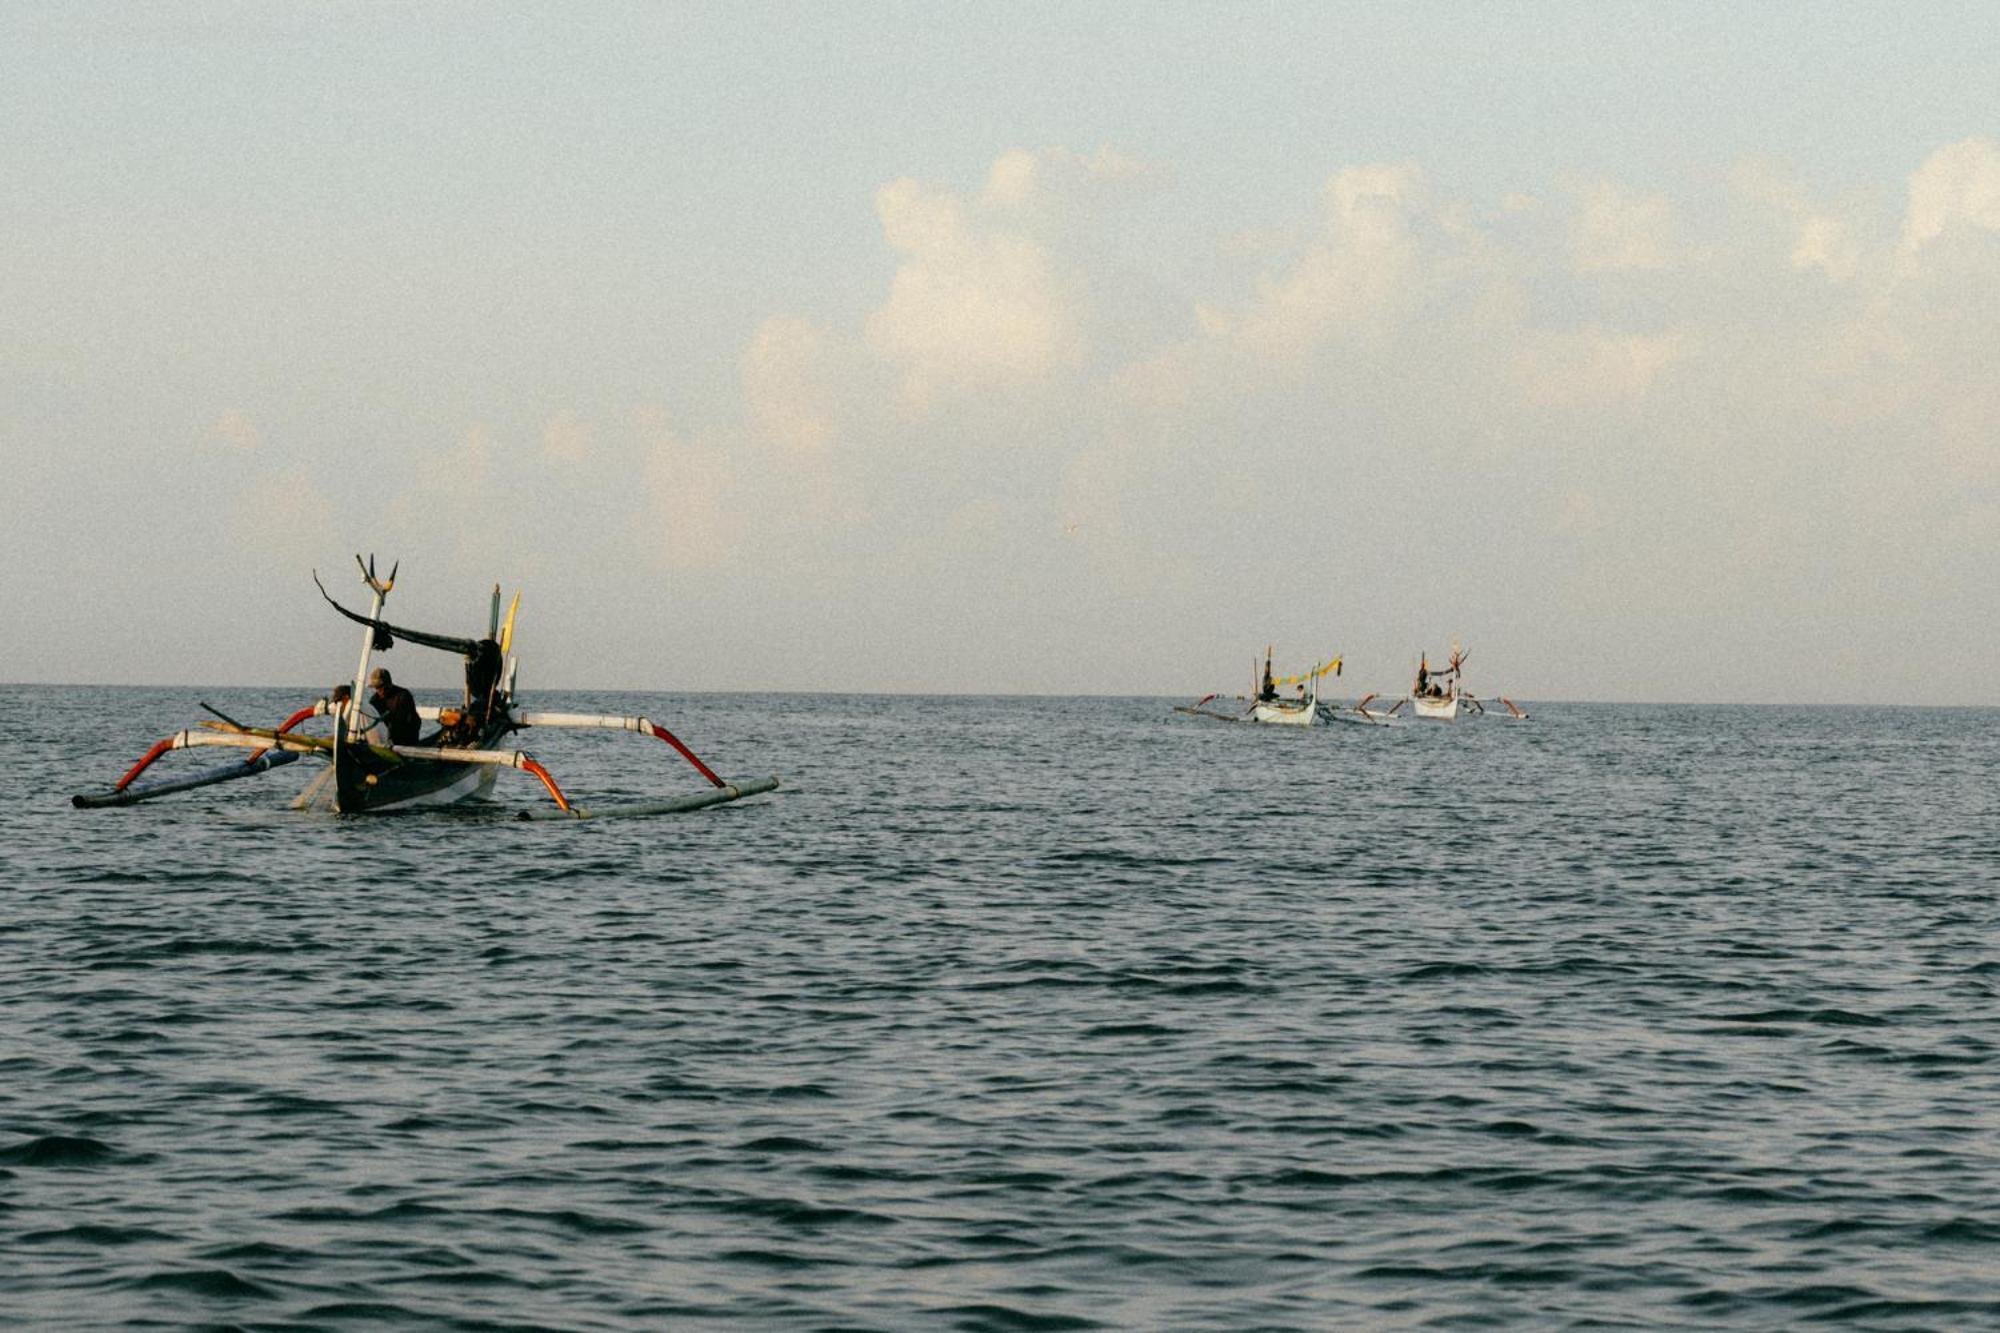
(1021, 1014)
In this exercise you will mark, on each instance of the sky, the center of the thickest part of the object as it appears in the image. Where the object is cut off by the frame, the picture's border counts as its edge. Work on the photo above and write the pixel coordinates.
(1648, 351)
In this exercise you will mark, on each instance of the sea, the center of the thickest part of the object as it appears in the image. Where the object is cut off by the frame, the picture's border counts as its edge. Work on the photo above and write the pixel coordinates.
(1014, 1014)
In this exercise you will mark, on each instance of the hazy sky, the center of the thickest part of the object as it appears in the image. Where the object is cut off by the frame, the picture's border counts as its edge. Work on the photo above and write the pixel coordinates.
(1652, 351)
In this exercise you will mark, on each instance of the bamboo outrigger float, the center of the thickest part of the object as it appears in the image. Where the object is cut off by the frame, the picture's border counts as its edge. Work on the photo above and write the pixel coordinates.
(369, 773)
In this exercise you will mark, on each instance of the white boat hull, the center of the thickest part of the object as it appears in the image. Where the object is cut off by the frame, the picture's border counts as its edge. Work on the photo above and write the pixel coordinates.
(1289, 712)
(1436, 710)
(1294, 714)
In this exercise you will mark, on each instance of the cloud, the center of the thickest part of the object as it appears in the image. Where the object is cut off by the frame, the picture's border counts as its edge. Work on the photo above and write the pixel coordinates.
(1826, 244)
(1593, 366)
(976, 303)
(790, 384)
(1579, 514)
(1019, 179)
(284, 517)
(1359, 269)
(235, 430)
(454, 495)
(1616, 231)
(689, 522)
(1817, 239)
(566, 439)
(1642, 459)
(1958, 185)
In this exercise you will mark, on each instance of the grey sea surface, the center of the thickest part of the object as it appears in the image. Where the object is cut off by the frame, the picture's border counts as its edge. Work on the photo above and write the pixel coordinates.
(1012, 1013)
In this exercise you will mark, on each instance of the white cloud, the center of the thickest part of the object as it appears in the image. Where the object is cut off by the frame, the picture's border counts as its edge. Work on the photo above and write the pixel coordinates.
(1593, 366)
(235, 429)
(689, 522)
(566, 439)
(976, 303)
(454, 497)
(789, 383)
(1579, 514)
(1360, 268)
(1695, 414)
(1826, 244)
(284, 517)
(1615, 230)
(1818, 239)
(1957, 184)
(1019, 178)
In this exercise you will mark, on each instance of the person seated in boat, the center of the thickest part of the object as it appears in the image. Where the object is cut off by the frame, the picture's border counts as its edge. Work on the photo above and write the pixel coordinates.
(395, 707)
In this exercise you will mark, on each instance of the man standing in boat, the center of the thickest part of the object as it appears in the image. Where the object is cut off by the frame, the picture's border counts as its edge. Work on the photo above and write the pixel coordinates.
(395, 707)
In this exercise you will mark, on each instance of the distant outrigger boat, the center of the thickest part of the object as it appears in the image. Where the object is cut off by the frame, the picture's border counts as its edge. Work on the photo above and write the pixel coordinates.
(368, 774)
(1438, 696)
(1266, 705)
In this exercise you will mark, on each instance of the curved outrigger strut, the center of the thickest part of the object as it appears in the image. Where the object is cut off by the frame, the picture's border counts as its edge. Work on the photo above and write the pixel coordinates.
(609, 722)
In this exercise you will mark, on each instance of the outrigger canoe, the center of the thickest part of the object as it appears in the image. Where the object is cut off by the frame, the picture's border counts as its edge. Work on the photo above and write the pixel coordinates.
(1439, 696)
(1267, 705)
(367, 774)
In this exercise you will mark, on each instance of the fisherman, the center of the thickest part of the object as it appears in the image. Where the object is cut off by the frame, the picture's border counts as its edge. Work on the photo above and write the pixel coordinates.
(482, 674)
(1423, 679)
(1270, 689)
(395, 707)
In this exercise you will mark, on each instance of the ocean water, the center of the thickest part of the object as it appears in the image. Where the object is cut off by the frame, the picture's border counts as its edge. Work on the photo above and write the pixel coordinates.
(1012, 1014)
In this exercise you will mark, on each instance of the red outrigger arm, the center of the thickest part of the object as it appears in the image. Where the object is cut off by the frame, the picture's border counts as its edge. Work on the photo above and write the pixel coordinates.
(145, 762)
(607, 722)
(530, 766)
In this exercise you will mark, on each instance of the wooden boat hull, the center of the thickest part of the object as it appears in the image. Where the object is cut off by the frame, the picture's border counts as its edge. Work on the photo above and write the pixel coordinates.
(413, 786)
(366, 781)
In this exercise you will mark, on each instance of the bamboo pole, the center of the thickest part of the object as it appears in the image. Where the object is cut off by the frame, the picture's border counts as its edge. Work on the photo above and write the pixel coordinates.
(147, 791)
(671, 806)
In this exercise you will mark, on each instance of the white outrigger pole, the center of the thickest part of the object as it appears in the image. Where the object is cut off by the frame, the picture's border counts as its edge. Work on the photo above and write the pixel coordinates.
(380, 587)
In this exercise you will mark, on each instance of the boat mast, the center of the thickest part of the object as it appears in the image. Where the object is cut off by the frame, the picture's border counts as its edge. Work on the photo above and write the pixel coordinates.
(381, 589)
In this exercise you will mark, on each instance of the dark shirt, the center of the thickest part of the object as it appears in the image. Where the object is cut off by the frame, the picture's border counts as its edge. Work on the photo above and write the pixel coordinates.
(397, 708)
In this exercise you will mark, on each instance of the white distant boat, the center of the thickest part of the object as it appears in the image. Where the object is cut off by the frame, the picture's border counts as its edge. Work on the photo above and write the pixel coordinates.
(1300, 712)
(1439, 696)
(1267, 705)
